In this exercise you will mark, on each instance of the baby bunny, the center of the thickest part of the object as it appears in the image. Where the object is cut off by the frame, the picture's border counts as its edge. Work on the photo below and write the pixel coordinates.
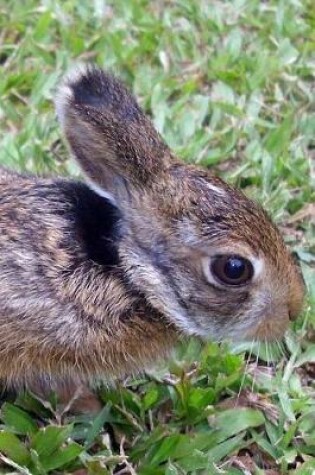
(100, 278)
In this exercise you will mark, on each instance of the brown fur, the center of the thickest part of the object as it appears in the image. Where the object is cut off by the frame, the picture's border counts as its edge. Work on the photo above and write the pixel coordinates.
(67, 317)
(56, 319)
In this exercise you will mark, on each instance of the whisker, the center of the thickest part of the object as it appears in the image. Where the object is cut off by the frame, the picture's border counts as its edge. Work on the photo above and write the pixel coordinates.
(281, 348)
(267, 353)
(248, 358)
(256, 366)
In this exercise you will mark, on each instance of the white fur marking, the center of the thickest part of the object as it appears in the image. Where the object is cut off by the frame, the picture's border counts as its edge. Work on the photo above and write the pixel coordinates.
(216, 189)
(65, 93)
(258, 265)
(205, 263)
(99, 191)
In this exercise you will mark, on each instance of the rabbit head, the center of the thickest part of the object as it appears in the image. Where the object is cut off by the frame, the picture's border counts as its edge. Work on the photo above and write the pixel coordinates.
(198, 250)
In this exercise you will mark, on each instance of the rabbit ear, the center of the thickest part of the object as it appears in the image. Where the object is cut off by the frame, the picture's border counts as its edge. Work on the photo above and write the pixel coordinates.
(109, 134)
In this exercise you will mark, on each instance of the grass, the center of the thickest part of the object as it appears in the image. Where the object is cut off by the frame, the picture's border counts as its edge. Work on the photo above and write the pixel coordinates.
(230, 85)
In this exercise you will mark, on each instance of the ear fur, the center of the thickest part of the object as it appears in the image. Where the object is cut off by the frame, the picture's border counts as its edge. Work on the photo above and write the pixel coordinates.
(111, 138)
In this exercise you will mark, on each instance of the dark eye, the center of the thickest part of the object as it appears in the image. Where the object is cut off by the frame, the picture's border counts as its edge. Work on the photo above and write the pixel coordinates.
(232, 270)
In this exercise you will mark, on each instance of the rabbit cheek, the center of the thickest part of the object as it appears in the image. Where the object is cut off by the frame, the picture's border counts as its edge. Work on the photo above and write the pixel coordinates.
(219, 312)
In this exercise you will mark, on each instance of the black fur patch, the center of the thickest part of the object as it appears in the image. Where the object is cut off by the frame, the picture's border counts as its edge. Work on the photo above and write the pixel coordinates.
(97, 223)
(104, 92)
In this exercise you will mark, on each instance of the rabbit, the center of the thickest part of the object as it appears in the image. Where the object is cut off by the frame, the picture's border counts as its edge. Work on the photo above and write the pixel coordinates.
(101, 277)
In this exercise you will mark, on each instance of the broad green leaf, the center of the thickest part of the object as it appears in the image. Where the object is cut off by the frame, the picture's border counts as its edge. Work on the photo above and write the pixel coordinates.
(165, 449)
(150, 398)
(201, 441)
(196, 460)
(199, 398)
(97, 424)
(228, 447)
(233, 421)
(49, 439)
(286, 402)
(13, 448)
(62, 456)
(17, 419)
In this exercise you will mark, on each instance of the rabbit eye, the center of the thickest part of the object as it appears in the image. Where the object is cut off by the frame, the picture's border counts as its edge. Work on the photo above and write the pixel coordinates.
(232, 270)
